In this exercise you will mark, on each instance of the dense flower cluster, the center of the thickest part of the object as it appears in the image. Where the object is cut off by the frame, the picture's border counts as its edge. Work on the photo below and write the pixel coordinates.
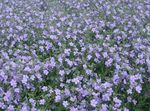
(76, 55)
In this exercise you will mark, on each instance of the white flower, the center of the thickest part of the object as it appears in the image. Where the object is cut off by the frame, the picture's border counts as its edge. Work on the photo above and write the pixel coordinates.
(65, 103)
(61, 72)
(89, 57)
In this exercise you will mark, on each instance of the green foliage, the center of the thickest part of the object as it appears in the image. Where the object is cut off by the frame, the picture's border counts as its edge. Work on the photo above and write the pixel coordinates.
(103, 71)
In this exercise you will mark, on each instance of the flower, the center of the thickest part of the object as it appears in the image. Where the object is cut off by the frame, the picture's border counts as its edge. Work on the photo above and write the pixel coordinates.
(106, 97)
(138, 88)
(104, 107)
(65, 103)
(94, 102)
(10, 108)
(19, 28)
(117, 101)
(24, 108)
(57, 98)
(74, 109)
(13, 83)
(25, 79)
(44, 88)
(125, 109)
(61, 72)
(42, 101)
(46, 72)
(89, 57)
(8, 96)
(129, 91)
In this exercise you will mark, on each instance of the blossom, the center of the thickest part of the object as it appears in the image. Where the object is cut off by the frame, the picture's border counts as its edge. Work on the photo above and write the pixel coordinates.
(44, 88)
(8, 96)
(94, 102)
(10, 108)
(117, 102)
(129, 91)
(45, 72)
(138, 88)
(13, 83)
(104, 107)
(57, 98)
(42, 101)
(116, 79)
(125, 109)
(24, 108)
(19, 28)
(89, 57)
(65, 103)
(74, 109)
(106, 97)
(25, 79)
(61, 72)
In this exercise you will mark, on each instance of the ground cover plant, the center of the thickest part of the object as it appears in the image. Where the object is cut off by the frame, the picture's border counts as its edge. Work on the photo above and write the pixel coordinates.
(74, 55)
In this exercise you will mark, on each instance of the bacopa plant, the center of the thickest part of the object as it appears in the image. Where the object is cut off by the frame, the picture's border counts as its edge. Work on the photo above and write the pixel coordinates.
(74, 55)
